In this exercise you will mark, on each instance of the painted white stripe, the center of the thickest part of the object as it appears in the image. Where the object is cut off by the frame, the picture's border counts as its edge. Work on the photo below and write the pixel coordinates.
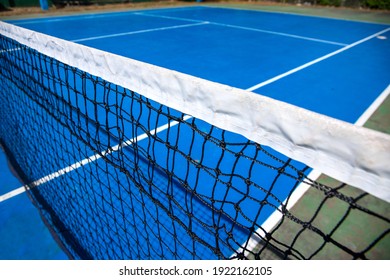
(301, 189)
(138, 32)
(168, 17)
(88, 160)
(248, 29)
(317, 60)
(276, 216)
(373, 107)
(10, 50)
(49, 20)
(13, 193)
(58, 18)
(94, 16)
(279, 34)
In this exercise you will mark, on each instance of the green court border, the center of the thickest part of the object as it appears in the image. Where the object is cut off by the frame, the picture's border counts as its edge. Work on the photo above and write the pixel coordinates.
(376, 16)
(365, 15)
(358, 230)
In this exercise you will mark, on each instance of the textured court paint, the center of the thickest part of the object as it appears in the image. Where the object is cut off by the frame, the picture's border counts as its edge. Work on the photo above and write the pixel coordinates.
(367, 16)
(248, 28)
(8, 182)
(292, 71)
(23, 235)
(343, 86)
(137, 32)
(242, 62)
(93, 26)
(316, 27)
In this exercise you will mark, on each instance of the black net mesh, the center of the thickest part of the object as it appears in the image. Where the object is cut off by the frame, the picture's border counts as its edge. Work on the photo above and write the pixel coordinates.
(118, 176)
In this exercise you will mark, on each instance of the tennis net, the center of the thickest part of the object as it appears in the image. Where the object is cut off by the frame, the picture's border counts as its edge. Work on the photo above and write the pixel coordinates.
(126, 160)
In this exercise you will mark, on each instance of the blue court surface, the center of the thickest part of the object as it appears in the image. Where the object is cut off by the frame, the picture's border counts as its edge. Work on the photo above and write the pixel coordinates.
(333, 67)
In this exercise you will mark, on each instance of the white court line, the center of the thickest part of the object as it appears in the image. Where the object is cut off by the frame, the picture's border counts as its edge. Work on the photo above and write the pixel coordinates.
(13, 193)
(248, 29)
(88, 160)
(68, 18)
(139, 31)
(167, 17)
(301, 189)
(92, 16)
(370, 110)
(279, 34)
(10, 50)
(93, 158)
(292, 71)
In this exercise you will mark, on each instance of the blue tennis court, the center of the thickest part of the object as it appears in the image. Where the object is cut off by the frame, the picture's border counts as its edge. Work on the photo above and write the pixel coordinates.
(338, 68)
(245, 49)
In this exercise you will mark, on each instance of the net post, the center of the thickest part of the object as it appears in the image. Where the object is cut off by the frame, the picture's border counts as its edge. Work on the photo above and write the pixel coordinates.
(44, 5)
